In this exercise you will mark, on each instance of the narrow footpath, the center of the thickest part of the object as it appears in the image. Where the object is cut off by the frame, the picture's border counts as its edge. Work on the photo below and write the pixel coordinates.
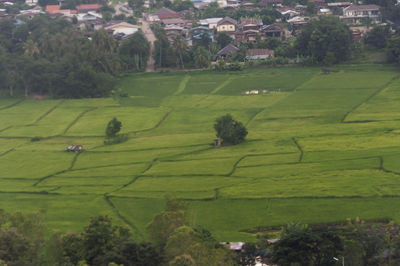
(151, 38)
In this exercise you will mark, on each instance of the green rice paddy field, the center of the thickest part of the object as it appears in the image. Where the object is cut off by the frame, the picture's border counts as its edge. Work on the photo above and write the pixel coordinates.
(321, 148)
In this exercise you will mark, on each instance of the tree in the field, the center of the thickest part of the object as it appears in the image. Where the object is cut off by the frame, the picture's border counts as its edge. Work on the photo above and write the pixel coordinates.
(230, 130)
(113, 127)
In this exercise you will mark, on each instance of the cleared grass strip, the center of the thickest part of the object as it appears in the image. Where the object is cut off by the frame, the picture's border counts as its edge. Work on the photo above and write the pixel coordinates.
(77, 118)
(47, 113)
(182, 85)
(225, 83)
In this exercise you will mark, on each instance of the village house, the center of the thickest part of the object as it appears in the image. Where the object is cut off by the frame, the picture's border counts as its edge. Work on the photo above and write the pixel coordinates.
(31, 2)
(360, 14)
(162, 13)
(339, 4)
(259, 54)
(85, 8)
(176, 22)
(173, 31)
(297, 24)
(288, 12)
(30, 13)
(227, 24)
(56, 10)
(273, 30)
(122, 29)
(230, 49)
(267, 3)
(211, 23)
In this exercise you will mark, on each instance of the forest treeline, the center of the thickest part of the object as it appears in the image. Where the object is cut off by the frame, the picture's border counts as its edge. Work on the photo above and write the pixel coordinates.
(49, 56)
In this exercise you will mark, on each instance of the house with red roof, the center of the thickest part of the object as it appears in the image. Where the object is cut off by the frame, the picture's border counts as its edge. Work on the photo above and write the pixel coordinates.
(56, 10)
(84, 8)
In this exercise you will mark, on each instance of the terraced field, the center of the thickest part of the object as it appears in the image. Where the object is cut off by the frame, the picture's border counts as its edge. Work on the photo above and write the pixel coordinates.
(321, 148)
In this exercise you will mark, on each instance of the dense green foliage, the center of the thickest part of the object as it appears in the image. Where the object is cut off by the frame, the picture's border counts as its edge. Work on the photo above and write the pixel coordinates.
(113, 127)
(229, 130)
(50, 57)
(327, 40)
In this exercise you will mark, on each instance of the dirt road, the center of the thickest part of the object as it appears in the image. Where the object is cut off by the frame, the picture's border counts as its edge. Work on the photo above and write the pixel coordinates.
(151, 38)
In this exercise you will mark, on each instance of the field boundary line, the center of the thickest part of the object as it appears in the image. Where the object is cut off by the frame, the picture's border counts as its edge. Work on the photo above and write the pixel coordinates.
(12, 105)
(157, 125)
(259, 111)
(223, 84)
(7, 152)
(120, 216)
(47, 113)
(236, 164)
(77, 118)
(182, 85)
(300, 149)
(386, 85)
(382, 167)
(57, 173)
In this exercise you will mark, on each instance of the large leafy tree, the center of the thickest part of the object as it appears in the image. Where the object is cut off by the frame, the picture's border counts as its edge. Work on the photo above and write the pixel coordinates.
(301, 245)
(325, 38)
(230, 130)
(134, 51)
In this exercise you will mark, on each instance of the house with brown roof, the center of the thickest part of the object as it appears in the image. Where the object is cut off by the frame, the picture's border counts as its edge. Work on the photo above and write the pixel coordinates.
(227, 24)
(359, 14)
(164, 13)
(259, 54)
(230, 49)
(273, 30)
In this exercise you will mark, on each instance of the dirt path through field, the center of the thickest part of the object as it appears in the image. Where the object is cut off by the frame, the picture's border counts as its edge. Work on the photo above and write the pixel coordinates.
(151, 38)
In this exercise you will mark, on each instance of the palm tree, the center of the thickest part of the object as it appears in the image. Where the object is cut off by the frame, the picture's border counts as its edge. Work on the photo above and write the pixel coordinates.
(31, 49)
(180, 46)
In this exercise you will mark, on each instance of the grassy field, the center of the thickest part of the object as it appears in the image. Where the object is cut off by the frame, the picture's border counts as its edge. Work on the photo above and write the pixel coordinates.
(321, 148)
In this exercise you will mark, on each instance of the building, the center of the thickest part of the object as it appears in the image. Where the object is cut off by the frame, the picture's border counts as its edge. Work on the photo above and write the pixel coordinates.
(271, 2)
(84, 8)
(122, 28)
(259, 54)
(361, 14)
(55, 10)
(227, 24)
(227, 50)
(176, 22)
(273, 30)
(163, 13)
(211, 23)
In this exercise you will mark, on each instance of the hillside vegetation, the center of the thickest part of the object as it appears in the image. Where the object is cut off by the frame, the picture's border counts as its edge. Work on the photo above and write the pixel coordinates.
(320, 148)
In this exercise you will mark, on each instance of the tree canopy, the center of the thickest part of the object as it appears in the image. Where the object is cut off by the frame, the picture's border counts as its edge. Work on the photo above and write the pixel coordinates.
(327, 40)
(230, 130)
